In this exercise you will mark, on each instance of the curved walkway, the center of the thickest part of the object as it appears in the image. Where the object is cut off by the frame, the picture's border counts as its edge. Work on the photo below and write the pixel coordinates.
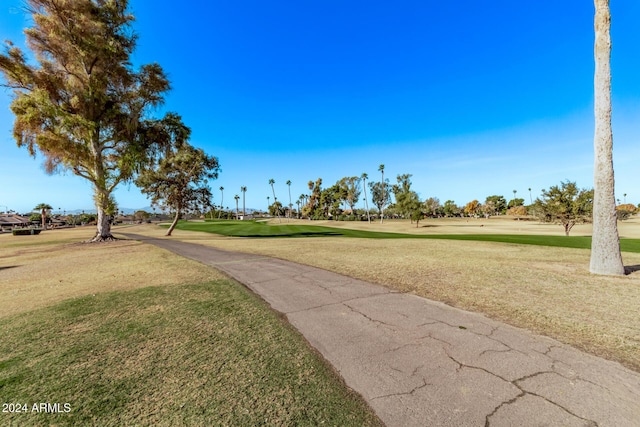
(423, 363)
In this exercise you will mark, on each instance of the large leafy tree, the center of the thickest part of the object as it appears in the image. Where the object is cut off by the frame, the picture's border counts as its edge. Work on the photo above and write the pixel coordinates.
(179, 180)
(405, 197)
(450, 208)
(330, 201)
(80, 103)
(380, 194)
(433, 207)
(472, 208)
(605, 245)
(313, 209)
(565, 204)
(351, 191)
(495, 205)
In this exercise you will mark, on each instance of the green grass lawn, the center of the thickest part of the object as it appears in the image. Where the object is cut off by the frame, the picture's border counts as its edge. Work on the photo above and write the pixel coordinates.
(204, 354)
(261, 229)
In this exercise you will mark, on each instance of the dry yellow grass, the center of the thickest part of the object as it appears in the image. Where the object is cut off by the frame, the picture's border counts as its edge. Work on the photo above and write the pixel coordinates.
(546, 290)
(37, 271)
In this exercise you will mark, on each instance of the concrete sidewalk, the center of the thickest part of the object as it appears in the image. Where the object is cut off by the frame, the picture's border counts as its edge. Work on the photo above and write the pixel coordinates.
(423, 363)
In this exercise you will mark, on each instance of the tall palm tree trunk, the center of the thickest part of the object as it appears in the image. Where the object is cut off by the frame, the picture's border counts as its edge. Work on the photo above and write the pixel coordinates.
(366, 202)
(290, 204)
(384, 195)
(275, 199)
(605, 244)
(221, 201)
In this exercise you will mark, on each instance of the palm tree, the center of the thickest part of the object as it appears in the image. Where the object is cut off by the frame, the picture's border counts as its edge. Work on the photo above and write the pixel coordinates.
(381, 169)
(43, 208)
(221, 200)
(290, 204)
(605, 242)
(364, 177)
(275, 199)
(302, 202)
(625, 198)
(268, 203)
(514, 197)
(244, 191)
(530, 196)
(237, 198)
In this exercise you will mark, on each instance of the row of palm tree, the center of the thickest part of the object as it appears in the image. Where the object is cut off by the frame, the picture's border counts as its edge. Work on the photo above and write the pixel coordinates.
(243, 190)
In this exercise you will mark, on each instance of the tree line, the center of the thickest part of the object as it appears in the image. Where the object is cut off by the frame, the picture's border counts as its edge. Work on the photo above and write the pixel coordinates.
(85, 109)
(565, 204)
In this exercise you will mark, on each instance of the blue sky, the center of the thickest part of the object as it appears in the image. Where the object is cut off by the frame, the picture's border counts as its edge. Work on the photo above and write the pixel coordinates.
(472, 98)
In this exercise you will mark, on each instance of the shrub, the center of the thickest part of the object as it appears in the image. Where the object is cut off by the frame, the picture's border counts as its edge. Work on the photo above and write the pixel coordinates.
(25, 231)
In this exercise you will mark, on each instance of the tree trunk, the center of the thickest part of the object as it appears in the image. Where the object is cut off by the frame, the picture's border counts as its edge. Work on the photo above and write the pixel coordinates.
(174, 223)
(366, 202)
(605, 244)
(567, 227)
(384, 199)
(43, 217)
(103, 227)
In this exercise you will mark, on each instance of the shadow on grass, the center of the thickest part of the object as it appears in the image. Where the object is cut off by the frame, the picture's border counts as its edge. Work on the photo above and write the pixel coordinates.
(628, 269)
(298, 234)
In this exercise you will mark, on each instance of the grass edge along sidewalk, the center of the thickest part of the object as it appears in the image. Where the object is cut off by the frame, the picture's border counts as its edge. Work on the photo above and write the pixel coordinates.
(205, 353)
(258, 229)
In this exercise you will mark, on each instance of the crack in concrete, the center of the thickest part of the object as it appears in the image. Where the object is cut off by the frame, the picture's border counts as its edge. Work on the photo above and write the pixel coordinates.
(523, 392)
(590, 423)
(301, 278)
(487, 422)
(371, 319)
(415, 343)
(507, 350)
(429, 336)
(406, 393)
(549, 349)
(435, 322)
(344, 302)
(575, 378)
(491, 337)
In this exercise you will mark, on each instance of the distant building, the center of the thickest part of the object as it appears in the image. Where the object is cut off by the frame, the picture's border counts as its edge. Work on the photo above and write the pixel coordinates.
(10, 221)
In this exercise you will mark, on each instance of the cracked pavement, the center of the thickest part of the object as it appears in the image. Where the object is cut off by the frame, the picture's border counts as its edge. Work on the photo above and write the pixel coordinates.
(422, 363)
